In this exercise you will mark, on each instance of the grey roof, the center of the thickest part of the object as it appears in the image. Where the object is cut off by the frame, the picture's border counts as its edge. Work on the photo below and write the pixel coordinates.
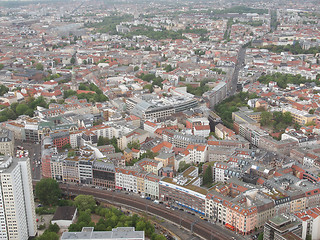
(125, 233)
(64, 213)
(6, 136)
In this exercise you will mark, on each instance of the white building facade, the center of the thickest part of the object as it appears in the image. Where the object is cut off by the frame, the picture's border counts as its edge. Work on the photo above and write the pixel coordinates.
(17, 210)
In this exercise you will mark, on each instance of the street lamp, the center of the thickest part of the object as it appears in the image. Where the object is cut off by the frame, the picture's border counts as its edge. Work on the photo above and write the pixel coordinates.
(192, 224)
(147, 208)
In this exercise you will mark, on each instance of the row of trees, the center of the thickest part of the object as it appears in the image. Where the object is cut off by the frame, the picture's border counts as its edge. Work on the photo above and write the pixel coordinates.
(207, 176)
(198, 91)
(109, 23)
(154, 81)
(24, 108)
(164, 33)
(91, 97)
(98, 96)
(218, 70)
(284, 79)
(239, 9)
(109, 218)
(232, 104)
(147, 154)
(278, 120)
(294, 49)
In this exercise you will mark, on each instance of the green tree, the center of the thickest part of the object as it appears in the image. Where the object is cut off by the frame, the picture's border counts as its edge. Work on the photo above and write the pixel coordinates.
(148, 87)
(157, 237)
(207, 176)
(39, 66)
(168, 68)
(84, 202)
(136, 68)
(134, 144)
(1, 66)
(48, 236)
(48, 191)
(103, 141)
(183, 166)
(21, 109)
(84, 216)
(53, 228)
(69, 93)
(311, 111)
(66, 146)
(141, 226)
(71, 153)
(72, 60)
(260, 236)
(287, 118)
(148, 154)
(3, 90)
(266, 118)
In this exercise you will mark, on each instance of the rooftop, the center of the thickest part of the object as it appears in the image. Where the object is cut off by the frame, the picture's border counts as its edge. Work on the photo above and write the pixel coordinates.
(125, 233)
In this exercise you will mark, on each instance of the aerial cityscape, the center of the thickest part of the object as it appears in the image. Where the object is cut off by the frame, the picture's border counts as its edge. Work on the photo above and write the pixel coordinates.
(137, 119)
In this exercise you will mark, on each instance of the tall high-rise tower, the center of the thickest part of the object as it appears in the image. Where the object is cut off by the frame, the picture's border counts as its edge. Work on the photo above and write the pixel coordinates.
(17, 210)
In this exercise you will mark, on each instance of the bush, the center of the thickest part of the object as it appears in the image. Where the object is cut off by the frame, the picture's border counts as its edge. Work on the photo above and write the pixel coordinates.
(42, 226)
(45, 210)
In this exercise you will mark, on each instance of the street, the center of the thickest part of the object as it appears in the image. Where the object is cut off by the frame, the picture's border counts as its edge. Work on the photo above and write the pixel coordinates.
(34, 155)
(239, 64)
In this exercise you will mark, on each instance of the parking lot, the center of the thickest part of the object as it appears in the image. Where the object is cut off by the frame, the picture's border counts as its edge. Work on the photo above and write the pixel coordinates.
(34, 155)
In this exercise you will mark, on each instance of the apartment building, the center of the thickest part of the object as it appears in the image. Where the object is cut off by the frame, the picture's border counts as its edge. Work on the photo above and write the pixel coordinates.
(282, 227)
(167, 159)
(223, 132)
(7, 142)
(150, 165)
(159, 108)
(103, 174)
(192, 122)
(60, 139)
(17, 210)
(197, 153)
(134, 136)
(47, 151)
(151, 186)
(202, 131)
(190, 197)
(85, 170)
(126, 178)
(216, 95)
(215, 206)
(56, 166)
(184, 190)
(310, 222)
(71, 170)
(181, 140)
(300, 117)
